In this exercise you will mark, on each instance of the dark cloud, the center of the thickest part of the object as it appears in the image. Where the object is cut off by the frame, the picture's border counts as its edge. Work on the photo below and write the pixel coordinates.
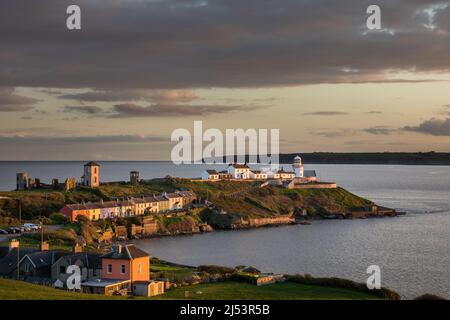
(12, 102)
(325, 113)
(201, 44)
(374, 112)
(338, 133)
(92, 110)
(434, 127)
(133, 110)
(380, 130)
(106, 139)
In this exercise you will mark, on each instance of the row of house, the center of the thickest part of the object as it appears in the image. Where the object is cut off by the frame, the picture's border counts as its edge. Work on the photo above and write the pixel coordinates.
(244, 172)
(125, 270)
(162, 203)
(238, 171)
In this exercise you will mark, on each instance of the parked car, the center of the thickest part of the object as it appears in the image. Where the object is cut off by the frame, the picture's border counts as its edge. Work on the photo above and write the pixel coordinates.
(14, 230)
(3, 231)
(30, 227)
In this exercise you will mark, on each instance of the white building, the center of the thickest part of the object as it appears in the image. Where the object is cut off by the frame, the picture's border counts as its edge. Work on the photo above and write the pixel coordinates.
(239, 171)
(297, 165)
(258, 175)
(210, 175)
(243, 172)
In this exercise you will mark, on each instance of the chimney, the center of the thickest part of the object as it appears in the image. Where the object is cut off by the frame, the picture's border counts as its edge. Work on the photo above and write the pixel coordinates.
(13, 244)
(77, 248)
(117, 249)
(44, 246)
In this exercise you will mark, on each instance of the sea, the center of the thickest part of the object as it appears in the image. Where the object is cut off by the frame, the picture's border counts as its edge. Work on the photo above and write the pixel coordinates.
(412, 251)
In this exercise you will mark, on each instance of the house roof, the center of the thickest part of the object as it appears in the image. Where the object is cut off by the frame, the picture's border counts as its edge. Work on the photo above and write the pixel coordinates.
(92, 164)
(129, 251)
(309, 173)
(9, 262)
(90, 260)
(101, 283)
(212, 172)
(282, 171)
(173, 195)
(240, 166)
(42, 259)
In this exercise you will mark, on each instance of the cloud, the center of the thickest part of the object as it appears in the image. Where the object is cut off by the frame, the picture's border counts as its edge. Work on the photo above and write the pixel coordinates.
(102, 139)
(380, 130)
(164, 45)
(133, 110)
(92, 110)
(338, 133)
(325, 113)
(12, 102)
(434, 127)
(374, 112)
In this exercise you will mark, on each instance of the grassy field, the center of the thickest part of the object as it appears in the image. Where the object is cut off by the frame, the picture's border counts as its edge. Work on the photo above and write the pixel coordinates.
(279, 291)
(18, 290)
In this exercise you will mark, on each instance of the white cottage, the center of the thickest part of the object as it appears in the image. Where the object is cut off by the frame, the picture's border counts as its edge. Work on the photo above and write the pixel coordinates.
(239, 171)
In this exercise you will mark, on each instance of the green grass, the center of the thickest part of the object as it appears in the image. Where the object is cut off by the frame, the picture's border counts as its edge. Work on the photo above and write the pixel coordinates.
(19, 290)
(278, 291)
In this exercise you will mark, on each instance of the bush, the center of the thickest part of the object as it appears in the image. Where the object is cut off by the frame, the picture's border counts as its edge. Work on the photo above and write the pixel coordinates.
(429, 297)
(215, 269)
(58, 218)
(344, 283)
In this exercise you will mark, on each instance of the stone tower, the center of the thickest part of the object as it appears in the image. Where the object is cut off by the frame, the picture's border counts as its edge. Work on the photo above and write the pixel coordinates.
(91, 177)
(134, 178)
(22, 181)
(297, 165)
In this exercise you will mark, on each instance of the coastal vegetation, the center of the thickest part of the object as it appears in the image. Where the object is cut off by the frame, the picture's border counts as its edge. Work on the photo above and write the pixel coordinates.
(239, 197)
(18, 290)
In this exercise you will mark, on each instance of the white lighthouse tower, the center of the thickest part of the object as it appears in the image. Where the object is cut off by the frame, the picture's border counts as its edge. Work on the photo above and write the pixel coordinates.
(298, 167)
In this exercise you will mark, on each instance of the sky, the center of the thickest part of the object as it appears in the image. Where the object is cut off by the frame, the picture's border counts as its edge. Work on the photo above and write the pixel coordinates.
(139, 69)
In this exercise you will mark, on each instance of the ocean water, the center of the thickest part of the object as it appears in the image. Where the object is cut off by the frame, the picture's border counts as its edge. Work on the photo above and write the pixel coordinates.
(413, 251)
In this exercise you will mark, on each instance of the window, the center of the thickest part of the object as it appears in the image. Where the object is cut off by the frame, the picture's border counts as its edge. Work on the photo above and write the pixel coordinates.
(140, 267)
(62, 269)
(27, 267)
(122, 269)
(109, 269)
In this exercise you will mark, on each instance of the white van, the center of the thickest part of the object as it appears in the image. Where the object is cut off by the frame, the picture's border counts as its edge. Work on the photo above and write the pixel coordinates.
(30, 227)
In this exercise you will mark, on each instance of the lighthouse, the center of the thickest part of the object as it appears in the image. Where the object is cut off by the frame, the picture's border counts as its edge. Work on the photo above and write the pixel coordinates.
(297, 165)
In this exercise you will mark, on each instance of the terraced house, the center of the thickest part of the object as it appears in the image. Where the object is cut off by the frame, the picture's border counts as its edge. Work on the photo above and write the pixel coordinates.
(131, 207)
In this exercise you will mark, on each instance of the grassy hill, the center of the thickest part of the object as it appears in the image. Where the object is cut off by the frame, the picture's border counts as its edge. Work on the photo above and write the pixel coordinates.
(18, 290)
(243, 198)
(278, 291)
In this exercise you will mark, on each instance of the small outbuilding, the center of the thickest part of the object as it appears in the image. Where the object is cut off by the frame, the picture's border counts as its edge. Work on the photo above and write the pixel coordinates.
(148, 288)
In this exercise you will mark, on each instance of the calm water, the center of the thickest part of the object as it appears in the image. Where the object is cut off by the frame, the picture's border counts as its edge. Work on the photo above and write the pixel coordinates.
(413, 251)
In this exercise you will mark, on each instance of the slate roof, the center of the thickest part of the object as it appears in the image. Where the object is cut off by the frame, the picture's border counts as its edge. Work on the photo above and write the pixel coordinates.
(9, 262)
(92, 164)
(212, 172)
(240, 166)
(309, 173)
(41, 259)
(90, 260)
(129, 251)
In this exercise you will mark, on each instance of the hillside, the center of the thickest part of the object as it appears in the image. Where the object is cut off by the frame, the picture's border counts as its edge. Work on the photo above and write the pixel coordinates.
(246, 199)
(18, 290)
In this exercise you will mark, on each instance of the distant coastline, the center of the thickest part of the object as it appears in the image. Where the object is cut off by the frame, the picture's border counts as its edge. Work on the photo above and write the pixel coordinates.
(369, 158)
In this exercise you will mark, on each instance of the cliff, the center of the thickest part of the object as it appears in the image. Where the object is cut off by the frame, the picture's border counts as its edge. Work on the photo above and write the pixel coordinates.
(231, 205)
